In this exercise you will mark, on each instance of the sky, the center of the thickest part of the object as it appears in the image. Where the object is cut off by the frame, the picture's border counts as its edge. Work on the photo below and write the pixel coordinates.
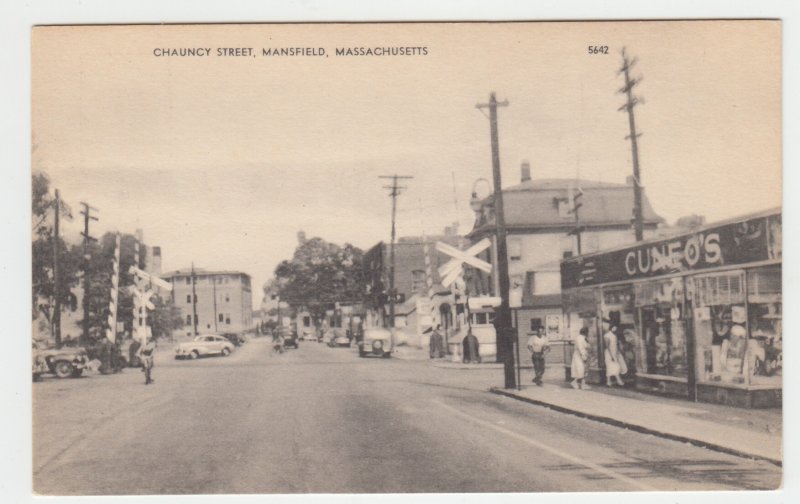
(222, 160)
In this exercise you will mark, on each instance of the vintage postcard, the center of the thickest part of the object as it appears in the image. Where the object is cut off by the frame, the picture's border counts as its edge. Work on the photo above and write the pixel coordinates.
(375, 258)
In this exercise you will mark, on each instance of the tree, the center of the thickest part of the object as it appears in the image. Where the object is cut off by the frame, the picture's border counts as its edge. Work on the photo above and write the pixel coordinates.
(43, 279)
(320, 274)
(163, 319)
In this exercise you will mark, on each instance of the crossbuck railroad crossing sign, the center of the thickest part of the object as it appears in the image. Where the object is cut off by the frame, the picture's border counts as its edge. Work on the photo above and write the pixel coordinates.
(141, 299)
(450, 271)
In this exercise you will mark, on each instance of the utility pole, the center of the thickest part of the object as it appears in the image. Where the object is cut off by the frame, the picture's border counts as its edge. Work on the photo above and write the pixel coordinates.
(632, 101)
(395, 192)
(56, 280)
(194, 304)
(574, 206)
(503, 325)
(87, 216)
(214, 291)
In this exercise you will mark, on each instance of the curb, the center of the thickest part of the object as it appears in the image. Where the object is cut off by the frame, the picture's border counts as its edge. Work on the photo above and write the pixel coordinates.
(637, 428)
(466, 367)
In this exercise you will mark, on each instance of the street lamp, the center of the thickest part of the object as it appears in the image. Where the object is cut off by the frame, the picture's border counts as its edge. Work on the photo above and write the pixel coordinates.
(476, 203)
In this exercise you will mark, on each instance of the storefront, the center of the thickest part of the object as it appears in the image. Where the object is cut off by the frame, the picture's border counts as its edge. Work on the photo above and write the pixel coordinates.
(698, 315)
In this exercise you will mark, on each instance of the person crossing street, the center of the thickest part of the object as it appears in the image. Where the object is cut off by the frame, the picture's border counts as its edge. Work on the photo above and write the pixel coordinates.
(147, 358)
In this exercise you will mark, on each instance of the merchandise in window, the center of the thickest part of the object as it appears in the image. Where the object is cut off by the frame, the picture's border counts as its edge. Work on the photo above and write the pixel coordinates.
(764, 356)
(662, 325)
(720, 319)
(618, 307)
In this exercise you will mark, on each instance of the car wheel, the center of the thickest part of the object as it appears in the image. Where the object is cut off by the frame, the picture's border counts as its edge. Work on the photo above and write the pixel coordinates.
(62, 369)
(362, 353)
(225, 352)
(76, 373)
(194, 354)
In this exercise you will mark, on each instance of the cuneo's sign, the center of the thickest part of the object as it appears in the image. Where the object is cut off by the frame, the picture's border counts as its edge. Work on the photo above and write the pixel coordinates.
(686, 253)
(751, 240)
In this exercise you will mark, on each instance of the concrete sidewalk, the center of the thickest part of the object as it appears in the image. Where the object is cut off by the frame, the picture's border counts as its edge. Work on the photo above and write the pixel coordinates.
(413, 353)
(751, 433)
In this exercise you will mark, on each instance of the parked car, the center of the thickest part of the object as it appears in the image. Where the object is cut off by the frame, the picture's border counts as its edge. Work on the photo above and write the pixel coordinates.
(235, 338)
(377, 342)
(290, 338)
(203, 345)
(63, 362)
(339, 338)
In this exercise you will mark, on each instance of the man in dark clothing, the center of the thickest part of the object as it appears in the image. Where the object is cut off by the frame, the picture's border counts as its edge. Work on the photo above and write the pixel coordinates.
(437, 344)
(471, 349)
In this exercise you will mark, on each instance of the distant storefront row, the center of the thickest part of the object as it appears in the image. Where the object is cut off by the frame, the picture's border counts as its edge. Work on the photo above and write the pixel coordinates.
(698, 315)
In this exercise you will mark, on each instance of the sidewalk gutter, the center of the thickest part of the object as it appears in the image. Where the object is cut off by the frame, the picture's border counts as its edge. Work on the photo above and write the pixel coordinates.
(636, 427)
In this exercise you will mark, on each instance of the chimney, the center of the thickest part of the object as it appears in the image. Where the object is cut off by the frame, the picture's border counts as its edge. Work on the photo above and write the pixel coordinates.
(525, 170)
(154, 262)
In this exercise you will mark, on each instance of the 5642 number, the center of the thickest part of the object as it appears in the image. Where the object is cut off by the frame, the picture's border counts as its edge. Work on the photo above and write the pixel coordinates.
(593, 49)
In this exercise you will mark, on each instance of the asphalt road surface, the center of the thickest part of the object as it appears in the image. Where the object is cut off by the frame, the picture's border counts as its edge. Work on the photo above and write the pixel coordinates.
(322, 420)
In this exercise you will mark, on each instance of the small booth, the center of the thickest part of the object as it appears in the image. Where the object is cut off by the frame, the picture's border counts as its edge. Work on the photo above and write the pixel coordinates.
(698, 315)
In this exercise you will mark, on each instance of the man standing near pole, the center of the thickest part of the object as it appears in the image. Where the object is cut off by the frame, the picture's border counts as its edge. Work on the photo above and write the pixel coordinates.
(538, 346)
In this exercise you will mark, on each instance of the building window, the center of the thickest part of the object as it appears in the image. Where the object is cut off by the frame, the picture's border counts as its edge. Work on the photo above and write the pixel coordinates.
(188, 320)
(514, 249)
(417, 281)
(188, 280)
(536, 324)
(228, 319)
(188, 298)
(221, 317)
(482, 318)
(227, 298)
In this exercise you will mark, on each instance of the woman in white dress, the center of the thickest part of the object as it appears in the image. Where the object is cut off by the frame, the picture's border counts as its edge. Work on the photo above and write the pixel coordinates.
(611, 355)
(579, 357)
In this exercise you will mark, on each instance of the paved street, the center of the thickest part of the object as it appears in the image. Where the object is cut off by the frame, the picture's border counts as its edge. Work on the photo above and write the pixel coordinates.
(322, 420)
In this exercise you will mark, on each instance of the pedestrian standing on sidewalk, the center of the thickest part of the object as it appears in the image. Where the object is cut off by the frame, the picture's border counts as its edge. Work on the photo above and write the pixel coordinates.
(611, 354)
(146, 356)
(538, 346)
(437, 344)
(579, 357)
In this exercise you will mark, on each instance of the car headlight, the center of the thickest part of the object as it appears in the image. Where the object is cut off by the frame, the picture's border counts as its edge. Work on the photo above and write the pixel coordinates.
(377, 344)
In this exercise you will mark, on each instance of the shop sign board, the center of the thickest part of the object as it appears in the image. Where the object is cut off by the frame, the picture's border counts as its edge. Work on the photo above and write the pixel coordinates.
(742, 242)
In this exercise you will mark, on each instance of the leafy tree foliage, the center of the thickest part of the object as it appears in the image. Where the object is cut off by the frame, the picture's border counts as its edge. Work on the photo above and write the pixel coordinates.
(319, 274)
(163, 319)
(44, 286)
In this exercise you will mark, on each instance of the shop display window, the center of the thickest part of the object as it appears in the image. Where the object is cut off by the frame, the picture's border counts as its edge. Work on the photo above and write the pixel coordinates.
(764, 354)
(618, 307)
(720, 318)
(662, 319)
